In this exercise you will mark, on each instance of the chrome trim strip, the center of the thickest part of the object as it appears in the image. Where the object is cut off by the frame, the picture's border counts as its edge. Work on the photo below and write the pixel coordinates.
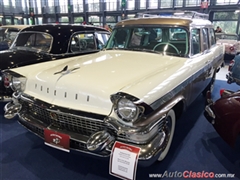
(171, 94)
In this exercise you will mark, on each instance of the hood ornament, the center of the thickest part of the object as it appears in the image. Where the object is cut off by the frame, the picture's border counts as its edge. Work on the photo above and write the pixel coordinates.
(65, 70)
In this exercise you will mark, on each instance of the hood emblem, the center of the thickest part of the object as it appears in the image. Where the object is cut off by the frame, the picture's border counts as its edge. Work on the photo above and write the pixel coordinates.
(65, 70)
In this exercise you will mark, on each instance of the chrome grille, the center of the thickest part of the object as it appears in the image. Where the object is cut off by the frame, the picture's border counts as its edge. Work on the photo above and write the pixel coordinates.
(40, 132)
(69, 122)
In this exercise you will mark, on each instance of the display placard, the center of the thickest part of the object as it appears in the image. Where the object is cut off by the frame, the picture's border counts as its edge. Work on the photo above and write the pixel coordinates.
(123, 161)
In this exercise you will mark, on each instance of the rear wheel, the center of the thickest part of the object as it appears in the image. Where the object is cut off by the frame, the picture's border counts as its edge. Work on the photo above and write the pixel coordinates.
(170, 128)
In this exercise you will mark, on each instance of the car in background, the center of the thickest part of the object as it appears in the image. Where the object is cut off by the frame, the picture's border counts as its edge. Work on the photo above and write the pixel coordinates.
(224, 113)
(40, 43)
(132, 91)
(234, 71)
(230, 41)
(7, 35)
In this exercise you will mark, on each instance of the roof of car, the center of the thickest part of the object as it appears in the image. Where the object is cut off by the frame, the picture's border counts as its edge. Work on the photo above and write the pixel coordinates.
(15, 26)
(51, 28)
(165, 21)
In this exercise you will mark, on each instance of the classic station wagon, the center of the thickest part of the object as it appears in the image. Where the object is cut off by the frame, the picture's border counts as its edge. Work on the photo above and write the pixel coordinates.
(132, 91)
(40, 43)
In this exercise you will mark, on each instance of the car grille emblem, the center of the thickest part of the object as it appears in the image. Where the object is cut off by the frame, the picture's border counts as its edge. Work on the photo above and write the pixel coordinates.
(53, 116)
(56, 140)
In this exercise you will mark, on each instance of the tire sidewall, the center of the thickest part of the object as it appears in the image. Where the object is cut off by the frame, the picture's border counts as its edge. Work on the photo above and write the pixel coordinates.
(171, 116)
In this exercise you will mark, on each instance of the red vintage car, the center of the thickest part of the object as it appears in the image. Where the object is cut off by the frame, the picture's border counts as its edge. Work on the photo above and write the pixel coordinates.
(224, 114)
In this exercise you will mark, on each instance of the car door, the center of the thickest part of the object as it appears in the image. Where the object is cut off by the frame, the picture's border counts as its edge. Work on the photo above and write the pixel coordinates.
(209, 51)
(200, 61)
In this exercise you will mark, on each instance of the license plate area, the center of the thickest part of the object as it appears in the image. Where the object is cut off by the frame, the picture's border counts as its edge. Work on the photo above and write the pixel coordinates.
(57, 140)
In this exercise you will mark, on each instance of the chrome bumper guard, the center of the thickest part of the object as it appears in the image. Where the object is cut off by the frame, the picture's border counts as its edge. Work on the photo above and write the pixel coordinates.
(99, 143)
(210, 113)
(5, 98)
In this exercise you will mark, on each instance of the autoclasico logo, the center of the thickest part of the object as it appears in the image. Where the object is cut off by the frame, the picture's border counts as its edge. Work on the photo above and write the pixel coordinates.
(189, 174)
(203, 174)
(192, 174)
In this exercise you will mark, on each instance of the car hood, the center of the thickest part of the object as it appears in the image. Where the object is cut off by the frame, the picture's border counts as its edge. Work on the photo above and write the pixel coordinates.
(87, 82)
(15, 58)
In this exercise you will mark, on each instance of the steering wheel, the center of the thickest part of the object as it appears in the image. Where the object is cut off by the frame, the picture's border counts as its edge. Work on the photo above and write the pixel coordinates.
(166, 43)
(83, 43)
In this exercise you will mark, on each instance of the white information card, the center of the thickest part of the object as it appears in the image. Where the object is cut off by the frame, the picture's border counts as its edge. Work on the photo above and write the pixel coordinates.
(123, 161)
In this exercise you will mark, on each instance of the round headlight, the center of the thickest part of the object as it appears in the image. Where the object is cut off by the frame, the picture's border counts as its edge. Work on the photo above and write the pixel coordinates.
(18, 84)
(127, 110)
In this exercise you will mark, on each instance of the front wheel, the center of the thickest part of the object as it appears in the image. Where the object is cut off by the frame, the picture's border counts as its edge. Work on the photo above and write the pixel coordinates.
(170, 128)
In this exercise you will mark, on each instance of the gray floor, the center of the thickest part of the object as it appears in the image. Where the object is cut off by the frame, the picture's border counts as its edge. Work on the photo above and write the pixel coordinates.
(221, 75)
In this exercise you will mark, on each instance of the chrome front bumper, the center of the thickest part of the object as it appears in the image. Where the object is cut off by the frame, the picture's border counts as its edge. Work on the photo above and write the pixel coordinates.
(98, 144)
(5, 98)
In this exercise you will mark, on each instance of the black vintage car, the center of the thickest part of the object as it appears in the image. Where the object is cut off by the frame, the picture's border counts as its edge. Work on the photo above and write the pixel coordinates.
(41, 43)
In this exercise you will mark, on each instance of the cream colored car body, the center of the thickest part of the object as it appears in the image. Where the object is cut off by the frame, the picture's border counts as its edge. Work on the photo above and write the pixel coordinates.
(85, 91)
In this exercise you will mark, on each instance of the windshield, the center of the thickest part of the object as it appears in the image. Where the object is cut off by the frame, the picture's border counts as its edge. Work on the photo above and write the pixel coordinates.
(8, 35)
(33, 41)
(167, 40)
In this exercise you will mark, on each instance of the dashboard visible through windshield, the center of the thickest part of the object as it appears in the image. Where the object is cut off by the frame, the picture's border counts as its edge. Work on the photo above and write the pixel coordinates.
(167, 40)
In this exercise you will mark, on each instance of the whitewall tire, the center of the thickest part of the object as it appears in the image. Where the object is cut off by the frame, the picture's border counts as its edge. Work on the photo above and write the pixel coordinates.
(170, 128)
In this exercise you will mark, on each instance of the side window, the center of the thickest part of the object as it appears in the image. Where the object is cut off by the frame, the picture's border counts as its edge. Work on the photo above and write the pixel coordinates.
(39, 41)
(212, 36)
(11, 35)
(205, 39)
(83, 42)
(195, 41)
